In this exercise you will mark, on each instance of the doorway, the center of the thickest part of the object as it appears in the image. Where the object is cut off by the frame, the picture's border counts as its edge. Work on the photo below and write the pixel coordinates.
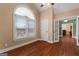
(67, 29)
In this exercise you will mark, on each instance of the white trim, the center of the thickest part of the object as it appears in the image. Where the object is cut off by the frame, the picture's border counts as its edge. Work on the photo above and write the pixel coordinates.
(72, 30)
(47, 41)
(70, 17)
(77, 31)
(14, 29)
(17, 46)
(58, 32)
(74, 37)
(54, 31)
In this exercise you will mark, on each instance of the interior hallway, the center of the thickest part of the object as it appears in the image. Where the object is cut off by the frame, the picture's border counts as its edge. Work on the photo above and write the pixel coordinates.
(66, 47)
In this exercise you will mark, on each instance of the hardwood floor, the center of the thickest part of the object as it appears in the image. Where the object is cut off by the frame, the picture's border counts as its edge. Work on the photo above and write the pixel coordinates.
(66, 47)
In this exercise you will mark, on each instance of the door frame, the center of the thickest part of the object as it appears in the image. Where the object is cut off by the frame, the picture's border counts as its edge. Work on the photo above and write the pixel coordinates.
(54, 31)
(77, 31)
(72, 29)
(71, 17)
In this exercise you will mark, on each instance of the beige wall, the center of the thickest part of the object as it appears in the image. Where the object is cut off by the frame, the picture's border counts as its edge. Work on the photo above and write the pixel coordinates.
(48, 15)
(74, 12)
(6, 21)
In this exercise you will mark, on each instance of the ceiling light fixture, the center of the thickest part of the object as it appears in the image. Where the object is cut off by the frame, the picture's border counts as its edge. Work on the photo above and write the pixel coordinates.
(65, 20)
(46, 4)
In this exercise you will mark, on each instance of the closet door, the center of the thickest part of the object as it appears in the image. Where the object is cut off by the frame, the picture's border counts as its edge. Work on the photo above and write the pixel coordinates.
(44, 30)
(56, 31)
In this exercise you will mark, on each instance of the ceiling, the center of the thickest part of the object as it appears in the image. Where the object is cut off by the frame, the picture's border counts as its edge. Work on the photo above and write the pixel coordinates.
(59, 7)
(40, 8)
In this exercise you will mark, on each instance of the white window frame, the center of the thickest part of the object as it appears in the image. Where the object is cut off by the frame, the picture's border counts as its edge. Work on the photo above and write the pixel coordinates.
(14, 29)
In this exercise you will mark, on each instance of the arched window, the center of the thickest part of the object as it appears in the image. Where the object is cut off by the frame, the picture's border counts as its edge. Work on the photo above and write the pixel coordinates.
(24, 23)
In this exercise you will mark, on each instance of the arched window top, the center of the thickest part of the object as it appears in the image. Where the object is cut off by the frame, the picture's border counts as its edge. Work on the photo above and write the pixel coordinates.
(22, 11)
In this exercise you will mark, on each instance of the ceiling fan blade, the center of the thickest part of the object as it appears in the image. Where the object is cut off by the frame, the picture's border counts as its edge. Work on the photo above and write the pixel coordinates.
(41, 5)
(52, 3)
(49, 3)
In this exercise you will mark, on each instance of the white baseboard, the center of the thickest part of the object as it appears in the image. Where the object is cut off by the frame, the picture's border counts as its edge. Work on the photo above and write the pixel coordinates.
(17, 46)
(48, 41)
(74, 37)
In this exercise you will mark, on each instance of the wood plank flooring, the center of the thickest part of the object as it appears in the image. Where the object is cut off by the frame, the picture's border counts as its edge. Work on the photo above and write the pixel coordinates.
(66, 47)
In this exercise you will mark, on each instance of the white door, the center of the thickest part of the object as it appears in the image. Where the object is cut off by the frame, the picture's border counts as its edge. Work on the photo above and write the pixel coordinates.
(56, 31)
(77, 32)
(44, 30)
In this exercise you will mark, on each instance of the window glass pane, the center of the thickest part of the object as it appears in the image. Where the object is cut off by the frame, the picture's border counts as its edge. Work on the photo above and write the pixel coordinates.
(21, 22)
(31, 29)
(24, 23)
(21, 27)
(31, 24)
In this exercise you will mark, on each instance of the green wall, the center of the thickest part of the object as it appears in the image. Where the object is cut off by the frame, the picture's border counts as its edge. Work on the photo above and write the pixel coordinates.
(69, 21)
